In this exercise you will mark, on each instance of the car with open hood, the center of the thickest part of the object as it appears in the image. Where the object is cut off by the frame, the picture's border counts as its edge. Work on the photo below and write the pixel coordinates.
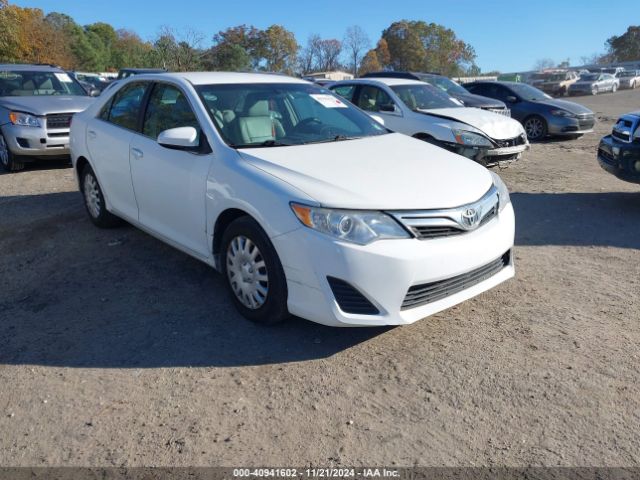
(304, 203)
(422, 111)
(37, 103)
(540, 114)
(619, 152)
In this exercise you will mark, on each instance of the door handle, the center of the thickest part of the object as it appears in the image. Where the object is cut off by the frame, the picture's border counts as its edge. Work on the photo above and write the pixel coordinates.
(91, 134)
(137, 152)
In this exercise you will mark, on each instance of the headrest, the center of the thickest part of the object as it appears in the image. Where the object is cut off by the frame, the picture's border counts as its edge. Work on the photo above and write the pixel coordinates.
(259, 109)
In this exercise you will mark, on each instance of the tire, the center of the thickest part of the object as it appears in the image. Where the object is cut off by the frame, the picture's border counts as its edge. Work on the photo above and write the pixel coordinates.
(614, 89)
(594, 91)
(94, 200)
(536, 127)
(7, 159)
(253, 273)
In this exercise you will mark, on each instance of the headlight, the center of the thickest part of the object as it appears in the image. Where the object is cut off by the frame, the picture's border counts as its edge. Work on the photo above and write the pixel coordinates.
(503, 191)
(24, 119)
(354, 226)
(469, 138)
(562, 113)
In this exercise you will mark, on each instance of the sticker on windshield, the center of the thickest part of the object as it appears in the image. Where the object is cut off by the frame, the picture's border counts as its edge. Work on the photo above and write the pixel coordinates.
(328, 101)
(63, 77)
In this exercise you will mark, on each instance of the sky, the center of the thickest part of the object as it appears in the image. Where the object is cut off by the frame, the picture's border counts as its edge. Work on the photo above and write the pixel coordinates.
(507, 35)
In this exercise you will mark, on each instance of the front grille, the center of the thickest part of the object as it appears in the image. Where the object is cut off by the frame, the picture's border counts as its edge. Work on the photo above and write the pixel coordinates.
(511, 142)
(349, 299)
(59, 120)
(425, 293)
(607, 157)
(586, 121)
(502, 111)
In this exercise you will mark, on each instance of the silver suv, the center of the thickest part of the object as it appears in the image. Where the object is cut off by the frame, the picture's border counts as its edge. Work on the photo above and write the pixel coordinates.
(36, 106)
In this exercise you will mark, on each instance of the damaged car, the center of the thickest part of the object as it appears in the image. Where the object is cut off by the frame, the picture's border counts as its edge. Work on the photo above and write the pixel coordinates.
(425, 112)
(619, 153)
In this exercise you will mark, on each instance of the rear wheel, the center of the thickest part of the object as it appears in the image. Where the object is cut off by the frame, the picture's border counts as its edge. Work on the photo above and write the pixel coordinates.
(614, 89)
(94, 200)
(254, 273)
(8, 160)
(535, 127)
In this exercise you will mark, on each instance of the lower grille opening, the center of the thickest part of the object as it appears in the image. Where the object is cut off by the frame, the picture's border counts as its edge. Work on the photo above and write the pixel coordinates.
(349, 299)
(425, 293)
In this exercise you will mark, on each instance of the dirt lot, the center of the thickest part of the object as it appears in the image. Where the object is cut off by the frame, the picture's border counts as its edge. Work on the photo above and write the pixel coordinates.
(118, 350)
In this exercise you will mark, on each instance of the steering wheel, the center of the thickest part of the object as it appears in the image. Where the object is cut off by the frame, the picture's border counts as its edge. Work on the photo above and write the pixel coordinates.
(307, 122)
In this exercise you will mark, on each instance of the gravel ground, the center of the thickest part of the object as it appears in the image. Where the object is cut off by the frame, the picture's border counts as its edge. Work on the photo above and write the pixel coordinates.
(118, 350)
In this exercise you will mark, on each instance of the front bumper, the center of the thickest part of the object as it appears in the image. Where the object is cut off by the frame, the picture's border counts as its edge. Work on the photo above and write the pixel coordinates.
(620, 159)
(36, 142)
(384, 271)
(563, 126)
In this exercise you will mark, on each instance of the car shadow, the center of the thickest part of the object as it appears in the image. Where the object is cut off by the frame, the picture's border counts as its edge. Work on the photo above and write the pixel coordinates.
(40, 165)
(72, 295)
(607, 219)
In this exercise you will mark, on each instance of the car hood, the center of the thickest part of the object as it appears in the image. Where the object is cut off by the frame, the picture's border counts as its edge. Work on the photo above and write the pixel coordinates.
(564, 104)
(472, 100)
(492, 124)
(45, 105)
(387, 172)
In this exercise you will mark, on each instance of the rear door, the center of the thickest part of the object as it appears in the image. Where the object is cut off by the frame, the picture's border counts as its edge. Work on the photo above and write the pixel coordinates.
(170, 184)
(108, 137)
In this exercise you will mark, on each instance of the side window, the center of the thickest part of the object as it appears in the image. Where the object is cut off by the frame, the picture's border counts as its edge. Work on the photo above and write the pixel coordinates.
(371, 98)
(168, 108)
(125, 106)
(345, 91)
(501, 93)
(476, 89)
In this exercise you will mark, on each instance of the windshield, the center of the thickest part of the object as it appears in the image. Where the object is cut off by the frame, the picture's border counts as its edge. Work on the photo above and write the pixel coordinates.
(269, 115)
(27, 84)
(527, 92)
(423, 97)
(444, 84)
(589, 77)
(557, 77)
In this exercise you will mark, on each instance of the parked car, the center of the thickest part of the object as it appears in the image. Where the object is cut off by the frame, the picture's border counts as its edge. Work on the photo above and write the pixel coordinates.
(304, 203)
(88, 87)
(540, 114)
(450, 87)
(558, 83)
(99, 82)
(129, 72)
(425, 112)
(613, 70)
(594, 83)
(36, 106)
(619, 153)
(629, 79)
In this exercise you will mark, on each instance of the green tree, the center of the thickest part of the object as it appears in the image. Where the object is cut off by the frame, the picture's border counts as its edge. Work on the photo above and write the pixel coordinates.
(279, 49)
(228, 57)
(626, 47)
(420, 46)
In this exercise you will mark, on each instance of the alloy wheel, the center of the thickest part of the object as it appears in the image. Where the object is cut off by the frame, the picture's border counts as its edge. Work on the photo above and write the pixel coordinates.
(534, 128)
(92, 195)
(247, 272)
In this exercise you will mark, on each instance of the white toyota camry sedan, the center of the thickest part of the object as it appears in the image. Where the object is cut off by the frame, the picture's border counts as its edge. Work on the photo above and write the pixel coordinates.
(303, 202)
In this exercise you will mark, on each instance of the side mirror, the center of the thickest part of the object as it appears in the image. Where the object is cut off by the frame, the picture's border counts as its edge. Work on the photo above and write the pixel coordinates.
(512, 99)
(94, 92)
(387, 107)
(378, 119)
(181, 138)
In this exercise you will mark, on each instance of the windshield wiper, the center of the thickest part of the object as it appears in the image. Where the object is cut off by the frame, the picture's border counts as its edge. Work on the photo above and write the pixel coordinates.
(337, 138)
(266, 143)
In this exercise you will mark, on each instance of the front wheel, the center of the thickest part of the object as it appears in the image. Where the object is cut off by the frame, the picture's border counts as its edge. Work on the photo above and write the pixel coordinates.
(594, 90)
(7, 158)
(94, 200)
(254, 273)
(614, 89)
(535, 127)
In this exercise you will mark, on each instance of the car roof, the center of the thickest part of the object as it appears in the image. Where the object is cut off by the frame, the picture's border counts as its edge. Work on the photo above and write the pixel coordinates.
(206, 78)
(143, 70)
(383, 80)
(23, 67)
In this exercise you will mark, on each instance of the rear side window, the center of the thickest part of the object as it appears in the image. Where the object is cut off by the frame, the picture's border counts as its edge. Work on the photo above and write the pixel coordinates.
(125, 106)
(168, 108)
(372, 98)
(345, 91)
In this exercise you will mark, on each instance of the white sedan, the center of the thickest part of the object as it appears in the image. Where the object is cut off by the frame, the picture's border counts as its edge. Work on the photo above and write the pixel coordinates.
(304, 203)
(423, 111)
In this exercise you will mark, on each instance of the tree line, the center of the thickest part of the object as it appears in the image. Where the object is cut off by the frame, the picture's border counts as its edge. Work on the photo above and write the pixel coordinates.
(27, 35)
